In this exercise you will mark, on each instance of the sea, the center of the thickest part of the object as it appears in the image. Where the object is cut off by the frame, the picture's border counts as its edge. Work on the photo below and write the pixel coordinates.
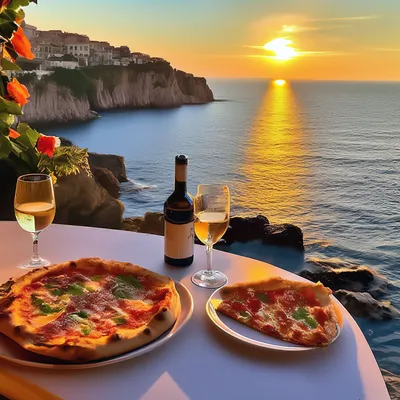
(324, 156)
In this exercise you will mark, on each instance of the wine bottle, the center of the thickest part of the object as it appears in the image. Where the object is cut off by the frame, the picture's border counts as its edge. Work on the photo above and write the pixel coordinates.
(178, 220)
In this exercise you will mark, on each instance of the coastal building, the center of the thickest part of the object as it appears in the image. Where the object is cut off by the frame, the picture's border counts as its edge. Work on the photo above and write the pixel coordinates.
(67, 61)
(50, 46)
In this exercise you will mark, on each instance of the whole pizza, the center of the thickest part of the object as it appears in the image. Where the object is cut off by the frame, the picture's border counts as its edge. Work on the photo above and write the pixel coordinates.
(298, 312)
(87, 309)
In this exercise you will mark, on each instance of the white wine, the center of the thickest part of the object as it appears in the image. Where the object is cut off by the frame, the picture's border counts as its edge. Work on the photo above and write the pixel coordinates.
(211, 226)
(35, 216)
(178, 220)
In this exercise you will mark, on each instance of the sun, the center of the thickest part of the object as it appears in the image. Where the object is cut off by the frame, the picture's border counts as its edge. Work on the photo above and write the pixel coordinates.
(279, 82)
(282, 49)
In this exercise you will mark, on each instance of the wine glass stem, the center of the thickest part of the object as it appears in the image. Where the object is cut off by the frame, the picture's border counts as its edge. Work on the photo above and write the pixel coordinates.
(35, 253)
(209, 257)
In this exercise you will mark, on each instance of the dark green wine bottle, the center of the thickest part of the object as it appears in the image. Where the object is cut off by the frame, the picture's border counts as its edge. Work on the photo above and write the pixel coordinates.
(178, 220)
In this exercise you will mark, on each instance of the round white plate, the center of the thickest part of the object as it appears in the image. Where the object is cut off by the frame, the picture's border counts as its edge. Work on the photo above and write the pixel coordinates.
(249, 335)
(11, 351)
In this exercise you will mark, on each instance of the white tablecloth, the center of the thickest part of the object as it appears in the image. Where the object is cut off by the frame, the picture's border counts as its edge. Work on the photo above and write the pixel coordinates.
(200, 362)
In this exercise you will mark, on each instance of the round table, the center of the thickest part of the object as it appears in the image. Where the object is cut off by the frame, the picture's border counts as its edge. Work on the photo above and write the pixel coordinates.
(200, 362)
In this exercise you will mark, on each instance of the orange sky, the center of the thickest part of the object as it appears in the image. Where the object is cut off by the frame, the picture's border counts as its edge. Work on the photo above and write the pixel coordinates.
(335, 39)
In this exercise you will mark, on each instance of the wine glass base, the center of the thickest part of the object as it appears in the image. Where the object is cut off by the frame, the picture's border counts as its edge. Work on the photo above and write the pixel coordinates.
(31, 264)
(209, 279)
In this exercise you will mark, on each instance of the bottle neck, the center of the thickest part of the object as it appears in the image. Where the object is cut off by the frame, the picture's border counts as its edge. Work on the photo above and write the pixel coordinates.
(181, 179)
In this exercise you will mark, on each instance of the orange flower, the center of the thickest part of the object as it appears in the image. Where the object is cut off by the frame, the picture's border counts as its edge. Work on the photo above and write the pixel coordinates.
(18, 92)
(13, 134)
(22, 45)
(4, 3)
(47, 144)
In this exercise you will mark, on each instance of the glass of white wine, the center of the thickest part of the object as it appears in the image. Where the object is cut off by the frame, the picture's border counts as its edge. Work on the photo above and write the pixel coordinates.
(211, 220)
(34, 207)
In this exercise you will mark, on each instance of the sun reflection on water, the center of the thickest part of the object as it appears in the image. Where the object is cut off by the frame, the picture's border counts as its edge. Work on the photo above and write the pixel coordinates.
(276, 175)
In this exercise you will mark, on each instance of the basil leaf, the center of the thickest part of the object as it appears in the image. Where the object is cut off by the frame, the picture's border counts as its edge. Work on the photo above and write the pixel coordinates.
(46, 309)
(96, 278)
(263, 297)
(50, 285)
(86, 330)
(119, 320)
(83, 314)
(75, 290)
(130, 280)
(57, 292)
(301, 314)
(121, 293)
(36, 301)
(245, 316)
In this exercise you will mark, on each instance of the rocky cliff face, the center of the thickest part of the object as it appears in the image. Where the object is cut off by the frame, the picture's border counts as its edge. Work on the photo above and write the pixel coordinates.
(55, 104)
(72, 95)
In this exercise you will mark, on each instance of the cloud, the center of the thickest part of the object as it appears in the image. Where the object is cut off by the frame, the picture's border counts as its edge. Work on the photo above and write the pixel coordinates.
(355, 18)
(387, 49)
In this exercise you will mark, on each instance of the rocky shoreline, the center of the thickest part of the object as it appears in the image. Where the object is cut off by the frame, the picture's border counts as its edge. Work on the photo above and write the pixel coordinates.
(77, 95)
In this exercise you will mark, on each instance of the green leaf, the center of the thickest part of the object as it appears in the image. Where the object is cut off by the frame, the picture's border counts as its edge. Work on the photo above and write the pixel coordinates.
(57, 292)
(15, 4)
(5, 146)
(75, 290)
(46, 309)
(130, 280)
(29, 136)
(263, 297)
(119, 320)
(7, 118)
(302, 314)
(36, 301)
(83, 314)
(10, 107)
(17, 150)
(121, 293)
(244, 316)
(7, 26)
(9, 66)
(43, 307)
(96, 278)
(86, 330)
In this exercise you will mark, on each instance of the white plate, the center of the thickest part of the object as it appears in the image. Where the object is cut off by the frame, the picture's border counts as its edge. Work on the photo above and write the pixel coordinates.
(249, 335)
(11, 351)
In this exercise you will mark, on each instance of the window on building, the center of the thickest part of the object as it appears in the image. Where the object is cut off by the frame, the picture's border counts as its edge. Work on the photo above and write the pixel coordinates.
(76, 47)
(86, 48)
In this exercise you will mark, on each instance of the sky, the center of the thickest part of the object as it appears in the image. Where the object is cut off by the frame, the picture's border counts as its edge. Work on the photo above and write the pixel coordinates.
(319, 39)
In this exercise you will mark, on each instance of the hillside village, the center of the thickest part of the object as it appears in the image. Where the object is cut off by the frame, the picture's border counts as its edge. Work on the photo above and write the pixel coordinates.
(58, 49)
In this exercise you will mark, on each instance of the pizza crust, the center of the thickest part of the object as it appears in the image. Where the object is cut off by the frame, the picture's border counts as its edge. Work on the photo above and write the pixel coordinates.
(86, 349)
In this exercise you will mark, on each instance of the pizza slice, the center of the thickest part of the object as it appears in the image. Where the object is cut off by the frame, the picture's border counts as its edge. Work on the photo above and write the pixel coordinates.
(87, 309)
(298, 312)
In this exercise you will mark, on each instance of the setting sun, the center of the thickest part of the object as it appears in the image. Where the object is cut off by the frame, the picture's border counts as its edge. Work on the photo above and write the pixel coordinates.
(279, 82)
(282, 49)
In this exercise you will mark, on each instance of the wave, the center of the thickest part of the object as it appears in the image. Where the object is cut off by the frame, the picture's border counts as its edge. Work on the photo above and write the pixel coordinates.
(134, 187)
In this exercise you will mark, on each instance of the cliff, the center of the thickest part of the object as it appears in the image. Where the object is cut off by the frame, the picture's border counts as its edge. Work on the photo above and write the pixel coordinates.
(68, 95)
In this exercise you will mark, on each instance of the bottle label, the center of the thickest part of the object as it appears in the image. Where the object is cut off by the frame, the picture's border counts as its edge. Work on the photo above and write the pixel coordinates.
(178, 240)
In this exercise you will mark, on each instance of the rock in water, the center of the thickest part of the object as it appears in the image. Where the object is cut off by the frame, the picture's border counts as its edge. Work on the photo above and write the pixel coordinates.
(81, 201)
(105, 178)
(340, 275)
(364, 305)
(393, 384)
(245, 229)
(259, 228)
(114, 163)
(240, 230)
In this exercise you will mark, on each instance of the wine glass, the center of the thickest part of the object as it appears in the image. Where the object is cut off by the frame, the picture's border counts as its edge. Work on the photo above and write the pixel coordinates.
(34, 207)
(211, 220)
